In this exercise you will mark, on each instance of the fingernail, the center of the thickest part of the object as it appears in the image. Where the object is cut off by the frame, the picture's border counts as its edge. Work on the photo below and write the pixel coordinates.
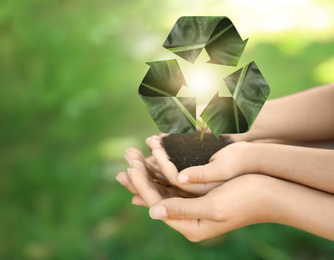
(119, 179)
(183, 178)
(126, 158)
(158, 212)
(130, 163)
(130, 172)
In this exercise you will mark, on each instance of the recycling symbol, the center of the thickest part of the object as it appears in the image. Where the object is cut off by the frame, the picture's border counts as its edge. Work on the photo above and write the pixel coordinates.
(164, 79)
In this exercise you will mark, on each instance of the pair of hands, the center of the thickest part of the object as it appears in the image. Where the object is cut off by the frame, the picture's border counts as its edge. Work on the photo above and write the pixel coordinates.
(229, 196)
(295, 185)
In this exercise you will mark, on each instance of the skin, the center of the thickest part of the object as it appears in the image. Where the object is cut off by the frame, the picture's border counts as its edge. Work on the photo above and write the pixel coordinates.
(250, 176)
(308, 166)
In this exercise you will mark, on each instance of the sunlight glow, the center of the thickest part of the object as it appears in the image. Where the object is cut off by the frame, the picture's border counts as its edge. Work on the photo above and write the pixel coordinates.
(204, 79)
(201, 80)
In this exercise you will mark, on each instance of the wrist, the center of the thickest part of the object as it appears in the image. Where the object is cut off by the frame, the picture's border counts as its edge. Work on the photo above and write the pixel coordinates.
(264, 192)
(237, 159)
(271, 196)
(259, 191)
(249, 155)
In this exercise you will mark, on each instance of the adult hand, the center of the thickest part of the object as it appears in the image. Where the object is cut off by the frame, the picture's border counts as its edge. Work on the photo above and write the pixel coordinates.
(239, 202)
(242, 201)
(307, 166)
(233, 160)
(169, 170)
(137, 160)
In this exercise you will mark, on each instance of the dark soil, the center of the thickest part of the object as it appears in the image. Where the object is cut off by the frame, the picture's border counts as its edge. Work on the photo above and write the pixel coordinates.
(186, 150)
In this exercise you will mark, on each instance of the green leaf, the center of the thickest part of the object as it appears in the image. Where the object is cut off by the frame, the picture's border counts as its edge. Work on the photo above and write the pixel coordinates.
(236, 114)
(216, 34)
(225, 46)
(158, 90)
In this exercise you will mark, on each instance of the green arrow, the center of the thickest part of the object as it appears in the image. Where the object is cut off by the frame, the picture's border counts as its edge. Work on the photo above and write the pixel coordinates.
(158, 90)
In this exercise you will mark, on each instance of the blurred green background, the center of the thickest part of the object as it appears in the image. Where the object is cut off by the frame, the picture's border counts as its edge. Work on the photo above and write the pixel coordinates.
(69, 74)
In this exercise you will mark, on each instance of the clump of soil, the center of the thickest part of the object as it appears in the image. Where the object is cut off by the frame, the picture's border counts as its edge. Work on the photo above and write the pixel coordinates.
(186, 150)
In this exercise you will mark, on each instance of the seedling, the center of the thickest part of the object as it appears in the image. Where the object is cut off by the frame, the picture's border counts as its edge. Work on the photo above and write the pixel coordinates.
(203, 127)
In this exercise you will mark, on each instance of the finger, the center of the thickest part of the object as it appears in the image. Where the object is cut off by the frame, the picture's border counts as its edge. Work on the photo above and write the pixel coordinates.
(166, 166)
(171, 173)
(134, 154)
(151, 164)
(137, 164)
(137, 200)
(230, 151)
(142, 168)
(154, 170)
(180, 208)
(154, 142)
(210, 172)
(136, 151)
(124, 179)
(220, 153)
(145, 188)
(162, 135)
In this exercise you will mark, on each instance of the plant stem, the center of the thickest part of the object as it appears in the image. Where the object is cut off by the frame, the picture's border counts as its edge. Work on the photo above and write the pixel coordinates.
(203, 131)
(202, 135)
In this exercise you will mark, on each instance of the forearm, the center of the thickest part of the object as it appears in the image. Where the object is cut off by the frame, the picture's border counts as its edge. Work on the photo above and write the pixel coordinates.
(304, 116)
(301, 207)
(308, 166)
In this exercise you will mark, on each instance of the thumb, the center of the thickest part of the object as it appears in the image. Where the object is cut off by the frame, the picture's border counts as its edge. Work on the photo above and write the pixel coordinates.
(180, 208)
(209, 172)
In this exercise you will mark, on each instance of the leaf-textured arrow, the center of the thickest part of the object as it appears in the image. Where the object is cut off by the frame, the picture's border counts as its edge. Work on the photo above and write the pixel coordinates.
(158, 90)
(236, 114)
(216, 34)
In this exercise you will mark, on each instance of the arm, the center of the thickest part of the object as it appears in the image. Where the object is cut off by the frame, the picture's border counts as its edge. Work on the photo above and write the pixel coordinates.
(247, 200)
(304, 116)
(308, 166)
(242, 201)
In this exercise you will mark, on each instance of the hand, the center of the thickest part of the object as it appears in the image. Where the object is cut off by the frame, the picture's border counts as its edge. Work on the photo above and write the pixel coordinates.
(137, 160)
(239, 202)
(170, 171)
(232, 161)
(242, 201)
(307, 166)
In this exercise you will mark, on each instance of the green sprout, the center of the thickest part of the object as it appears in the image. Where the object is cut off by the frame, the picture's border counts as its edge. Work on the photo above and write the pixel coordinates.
(203, 127)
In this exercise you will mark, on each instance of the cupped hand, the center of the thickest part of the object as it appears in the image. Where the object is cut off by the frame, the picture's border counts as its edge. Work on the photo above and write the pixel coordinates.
(138, 161)
(232, 161)
(169, 170)
(234, 204)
